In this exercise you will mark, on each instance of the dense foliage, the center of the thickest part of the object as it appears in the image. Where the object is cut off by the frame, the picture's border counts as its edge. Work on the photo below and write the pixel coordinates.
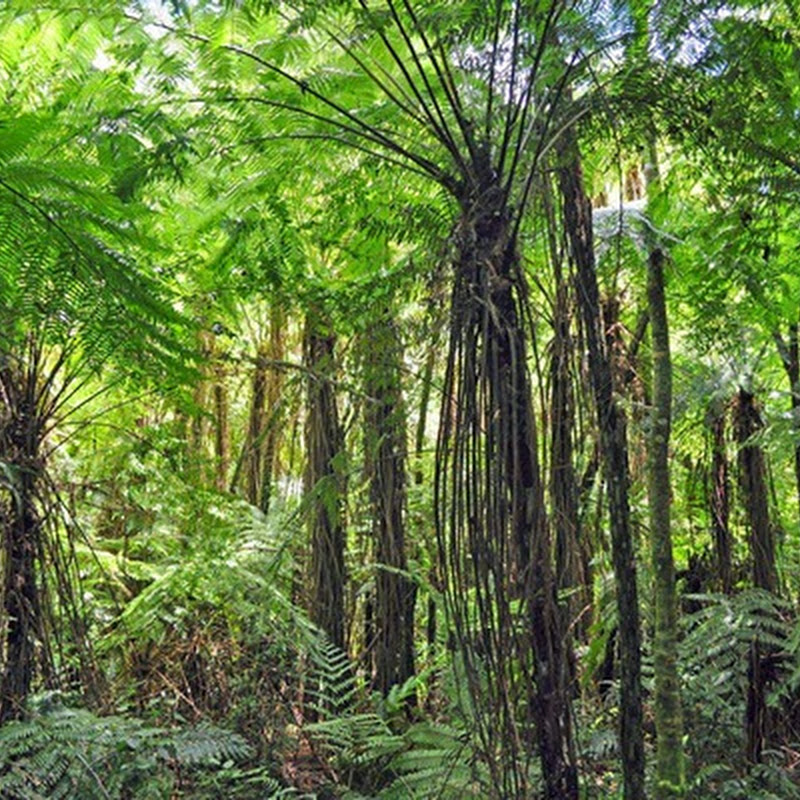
(399, 399)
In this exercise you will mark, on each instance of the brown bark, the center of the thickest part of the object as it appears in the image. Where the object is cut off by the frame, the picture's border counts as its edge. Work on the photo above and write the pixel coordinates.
(385, 448)
(789, 350)
(221, 429)
(571, 563)
(720, 500)
(613, 441)
(20, 443)
(256, 426)
(490, 491)
(324, 481)
(264, 429)
(753, 483)
(670, 777)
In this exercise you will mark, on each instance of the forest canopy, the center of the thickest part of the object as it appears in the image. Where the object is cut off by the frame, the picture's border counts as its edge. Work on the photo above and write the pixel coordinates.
(400, 399)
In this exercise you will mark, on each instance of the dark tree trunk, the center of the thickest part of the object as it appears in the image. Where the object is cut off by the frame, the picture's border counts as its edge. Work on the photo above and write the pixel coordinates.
(385, 448)
(668, 715)
(275, 409)
(753, 483)
(221, 429)
(489, 486)
(419, 477)
(720, 500)
(20, 440)
(571, 575)
(613, 442)
(755, 495)
(789, 351)
(324, 481)
(256, 430)
(264, 429)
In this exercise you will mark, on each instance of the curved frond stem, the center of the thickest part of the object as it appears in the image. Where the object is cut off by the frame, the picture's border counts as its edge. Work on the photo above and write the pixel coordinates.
(330, 137)
(493, 69)
(511, 108)
(357, 126)
(520, 114)
(450, 91)
(44, 214)
(404, 102)
(367, 132)
(92, 419)
(543, 147)
(440, 127)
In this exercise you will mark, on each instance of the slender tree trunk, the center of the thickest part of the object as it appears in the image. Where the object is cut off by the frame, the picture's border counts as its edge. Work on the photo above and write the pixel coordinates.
(256, 427)
(720, 499)
(789, 351)
(385, 448)
(222, 451)
(571, 576)
(613, 442)
(670, 777)
(274, 385)
(571, 563)
(419, 477)
(264, 430)
(324, 481)
(199, 445)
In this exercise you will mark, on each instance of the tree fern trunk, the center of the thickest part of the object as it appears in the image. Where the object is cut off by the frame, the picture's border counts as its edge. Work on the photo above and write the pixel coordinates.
(753, 482)
(570, 562)
(720, 499)
(256, 425)
(613, 442)
(789, 351)
(490, 501)
(274, 383)
(385, 450)
(323, 481)
(666, 700)
(222, 454)
(20, 439)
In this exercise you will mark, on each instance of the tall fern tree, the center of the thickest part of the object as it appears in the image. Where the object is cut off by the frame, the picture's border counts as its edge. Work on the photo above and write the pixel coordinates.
(71, 299)
(463, 95)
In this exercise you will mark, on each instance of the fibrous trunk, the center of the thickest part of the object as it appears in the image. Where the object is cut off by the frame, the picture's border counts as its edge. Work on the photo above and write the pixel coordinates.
(613, 443)
(571, 565)
(20, 459)
(666, 700)
(720, 499)
(493, 535)
(385, 446)
(264, 430)
(753, 483)
(324, 481)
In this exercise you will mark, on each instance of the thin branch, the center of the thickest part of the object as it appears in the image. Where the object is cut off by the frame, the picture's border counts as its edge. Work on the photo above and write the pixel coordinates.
(493, 69)
(441, 127)
(373, 135)
(450, 90)
(326, 138)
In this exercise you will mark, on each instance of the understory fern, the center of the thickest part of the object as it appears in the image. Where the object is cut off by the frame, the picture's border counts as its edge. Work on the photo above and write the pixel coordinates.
(715, 655)
(70, 753)
(375, 753)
